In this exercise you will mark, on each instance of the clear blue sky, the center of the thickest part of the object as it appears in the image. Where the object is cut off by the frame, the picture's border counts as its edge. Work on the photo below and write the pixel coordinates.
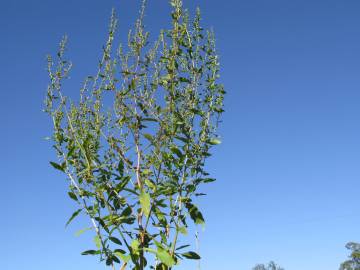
(288, 168)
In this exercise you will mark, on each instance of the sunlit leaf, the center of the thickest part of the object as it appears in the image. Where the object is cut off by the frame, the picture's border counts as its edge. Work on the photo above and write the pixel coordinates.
(97, 241)
(165, 257)
(214, 141)
(145, 202)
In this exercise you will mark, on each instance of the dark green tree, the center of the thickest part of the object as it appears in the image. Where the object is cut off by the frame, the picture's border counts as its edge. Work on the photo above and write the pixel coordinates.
(133, 146)
(354, 259)
(270, 266)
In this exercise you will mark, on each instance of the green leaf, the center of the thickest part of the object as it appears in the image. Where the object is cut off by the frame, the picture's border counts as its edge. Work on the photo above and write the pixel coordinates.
(182, 79)
(183, 139)
(176, 151)
(161, 266)
(115, 240)
(97, 241)
(196, 111)
(126, 212)
(148, 137)
(214, 141)
(123, 257)
(123, 183)
(133, 84)
(165, 257)
(80, 232)
(195, 214)
(209, 180)
(153, 251)
(129, 220)
(135, 246)
(181, 247)
(74, 215)
(144, 199)
(146, 172)
(149, 119)
(57, 166)
(183, 230)
(109, 261)
(121, 168)
(203, 180)
(71, 151)
(73, 196)
(150, 184)
(115, 259)
(191, 255)
(131, 191)
(91, 252)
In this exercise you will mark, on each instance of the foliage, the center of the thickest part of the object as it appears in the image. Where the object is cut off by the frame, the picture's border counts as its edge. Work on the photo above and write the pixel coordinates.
(134, 146)
(270, 266)
(354, 262)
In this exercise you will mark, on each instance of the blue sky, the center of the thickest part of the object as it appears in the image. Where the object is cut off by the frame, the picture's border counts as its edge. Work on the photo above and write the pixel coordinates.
(288, 169)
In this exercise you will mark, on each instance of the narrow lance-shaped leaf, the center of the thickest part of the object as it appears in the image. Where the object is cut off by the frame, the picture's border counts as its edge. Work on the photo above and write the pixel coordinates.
(57, 166)
(74, 215)
(148, 137)
(121, 168)
(191, 255)
(91, 252)
(183, 246)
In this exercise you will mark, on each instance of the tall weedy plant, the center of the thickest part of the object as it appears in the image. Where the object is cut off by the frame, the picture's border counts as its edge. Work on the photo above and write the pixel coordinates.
(135, 164)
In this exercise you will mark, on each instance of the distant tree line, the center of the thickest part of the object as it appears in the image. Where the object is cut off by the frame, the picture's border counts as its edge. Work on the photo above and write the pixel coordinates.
(353, 263)
(270, 266)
